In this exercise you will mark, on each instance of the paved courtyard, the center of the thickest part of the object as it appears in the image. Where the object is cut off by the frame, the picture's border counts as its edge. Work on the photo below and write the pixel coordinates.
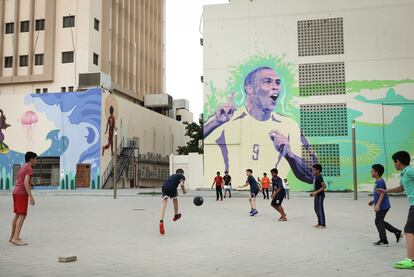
(120, 237)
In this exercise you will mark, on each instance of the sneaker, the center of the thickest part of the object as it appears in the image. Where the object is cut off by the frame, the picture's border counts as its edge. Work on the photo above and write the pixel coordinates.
(405, 264)
(177, 217)
(254, 212)
(162, 230)
(398, 236)
(321, 227)
(316, 226)
(381, 243)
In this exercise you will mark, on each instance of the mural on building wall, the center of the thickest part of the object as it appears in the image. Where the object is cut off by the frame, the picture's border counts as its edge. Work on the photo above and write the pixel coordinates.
(255, 122)
(4, 149)
(64, 125)
(110, 126)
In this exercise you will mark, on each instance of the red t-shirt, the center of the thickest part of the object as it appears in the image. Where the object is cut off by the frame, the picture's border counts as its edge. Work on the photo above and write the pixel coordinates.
(219, 181)
(24, 171)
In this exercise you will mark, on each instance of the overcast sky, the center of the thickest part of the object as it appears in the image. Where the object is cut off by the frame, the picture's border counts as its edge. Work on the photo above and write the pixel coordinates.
(184, 55)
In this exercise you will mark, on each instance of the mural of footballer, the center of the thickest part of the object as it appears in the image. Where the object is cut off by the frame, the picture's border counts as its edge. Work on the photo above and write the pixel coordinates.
(255, 136)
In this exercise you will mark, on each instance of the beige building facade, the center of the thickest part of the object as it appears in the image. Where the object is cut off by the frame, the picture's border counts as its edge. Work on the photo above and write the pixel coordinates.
(57, 46)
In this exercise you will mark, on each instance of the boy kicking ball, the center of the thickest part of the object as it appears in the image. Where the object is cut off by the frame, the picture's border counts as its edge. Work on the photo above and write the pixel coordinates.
(254, 190)
(402, 162)
(22, 194)
(169, 190)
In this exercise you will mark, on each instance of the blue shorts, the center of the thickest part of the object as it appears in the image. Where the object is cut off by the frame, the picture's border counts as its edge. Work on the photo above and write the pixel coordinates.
(169, 193)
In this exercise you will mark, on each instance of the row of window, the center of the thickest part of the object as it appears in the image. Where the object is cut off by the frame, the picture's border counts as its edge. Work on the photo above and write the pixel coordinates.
(67, 57)
(68, 22)
(62, 89)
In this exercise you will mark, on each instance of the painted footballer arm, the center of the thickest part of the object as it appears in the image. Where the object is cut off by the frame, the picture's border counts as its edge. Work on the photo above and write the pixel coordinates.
(299, 168)
(223, 115)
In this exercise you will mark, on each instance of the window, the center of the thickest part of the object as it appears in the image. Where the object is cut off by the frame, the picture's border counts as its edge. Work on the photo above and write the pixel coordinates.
(39, 59)
(70, 88)
(68, 21)
(10, 28)
(96, 24)
(178, 117)
(38, 90)
(23, 60)
(95, 58)
(63, 89)
(8, 62)
(40, 24)
(24, 26)
(67, 57)
(44, 90)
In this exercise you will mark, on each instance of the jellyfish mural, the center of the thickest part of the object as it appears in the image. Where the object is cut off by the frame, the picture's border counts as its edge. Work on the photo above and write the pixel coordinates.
(28, 121)
(4, 149)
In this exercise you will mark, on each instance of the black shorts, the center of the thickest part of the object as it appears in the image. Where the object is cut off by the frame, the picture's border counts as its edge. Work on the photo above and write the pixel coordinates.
(409, 226)
(277, 201)
(169, 193)
(254, 193)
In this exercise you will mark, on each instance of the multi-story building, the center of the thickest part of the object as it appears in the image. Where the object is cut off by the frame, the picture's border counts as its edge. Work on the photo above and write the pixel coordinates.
(75, 75)
(283, 81)
(51, 46)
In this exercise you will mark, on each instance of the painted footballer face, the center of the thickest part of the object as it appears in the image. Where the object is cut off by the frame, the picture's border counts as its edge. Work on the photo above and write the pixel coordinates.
(263, 90)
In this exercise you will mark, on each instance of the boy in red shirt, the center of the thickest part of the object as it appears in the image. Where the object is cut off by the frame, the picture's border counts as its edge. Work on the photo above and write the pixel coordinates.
(218, 180)
(21, 196)
(265, 185)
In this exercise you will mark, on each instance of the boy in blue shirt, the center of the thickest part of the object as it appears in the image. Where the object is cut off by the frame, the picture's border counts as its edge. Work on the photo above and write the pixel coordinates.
(402, 161)
(254, 190)
(382, 205)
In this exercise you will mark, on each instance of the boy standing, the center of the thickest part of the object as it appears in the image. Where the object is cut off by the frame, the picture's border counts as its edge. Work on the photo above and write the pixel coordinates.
(169, 190)
(278, 194)
(319, 195)
(254, 190)
(22, 194)
(382, 205)
(265, 185)
(227, 184)
(286, 187)
(218, 180)
(402, 162)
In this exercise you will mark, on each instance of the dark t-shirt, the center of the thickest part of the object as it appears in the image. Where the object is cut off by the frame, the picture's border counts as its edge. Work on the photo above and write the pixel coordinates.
(227, 180)
(317, 183)
(253, 184)
(278, 183)
(173, 182)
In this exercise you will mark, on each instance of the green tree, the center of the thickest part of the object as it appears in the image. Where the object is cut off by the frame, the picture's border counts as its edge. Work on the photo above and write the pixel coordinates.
(195, 132)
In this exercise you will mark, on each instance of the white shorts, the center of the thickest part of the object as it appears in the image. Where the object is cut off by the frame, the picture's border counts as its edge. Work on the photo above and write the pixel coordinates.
(227, 188)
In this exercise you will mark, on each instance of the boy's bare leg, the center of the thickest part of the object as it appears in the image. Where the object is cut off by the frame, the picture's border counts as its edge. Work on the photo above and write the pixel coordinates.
(163, 207)
(282, 212)
(410, 245)
(251, 202)
(16, 235)
(254, 203)
(175, 202)
(16, 216)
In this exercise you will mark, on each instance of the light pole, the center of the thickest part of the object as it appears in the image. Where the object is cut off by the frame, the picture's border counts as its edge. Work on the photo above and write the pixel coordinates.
(354, 162)
(115, 157)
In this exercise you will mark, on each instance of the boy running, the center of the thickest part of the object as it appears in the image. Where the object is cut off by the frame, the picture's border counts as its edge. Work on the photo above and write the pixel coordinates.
(319, 195)
(382, 205)
(254, 190)
(218, 181)
(227, 184)
(402, 162)
(265, 185)
(22, 194)
(278, 194)
(169, 190)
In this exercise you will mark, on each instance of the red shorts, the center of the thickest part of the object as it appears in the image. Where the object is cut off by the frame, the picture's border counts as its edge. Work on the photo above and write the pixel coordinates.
(20, 203)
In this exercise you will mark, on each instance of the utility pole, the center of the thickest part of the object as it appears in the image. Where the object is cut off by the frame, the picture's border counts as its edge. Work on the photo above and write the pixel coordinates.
(115, 158)
(354, 161)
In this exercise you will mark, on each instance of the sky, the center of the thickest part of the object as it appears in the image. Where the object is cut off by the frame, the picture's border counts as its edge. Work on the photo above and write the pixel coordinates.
(184, 54)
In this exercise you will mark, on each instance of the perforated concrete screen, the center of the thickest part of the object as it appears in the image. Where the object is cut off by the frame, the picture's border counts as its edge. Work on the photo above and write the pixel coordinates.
(324, 120)
(321, 78)
(320, 37)
(327, 155)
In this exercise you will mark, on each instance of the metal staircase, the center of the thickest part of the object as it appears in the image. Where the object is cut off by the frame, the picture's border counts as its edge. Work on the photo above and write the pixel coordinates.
(127, 154)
